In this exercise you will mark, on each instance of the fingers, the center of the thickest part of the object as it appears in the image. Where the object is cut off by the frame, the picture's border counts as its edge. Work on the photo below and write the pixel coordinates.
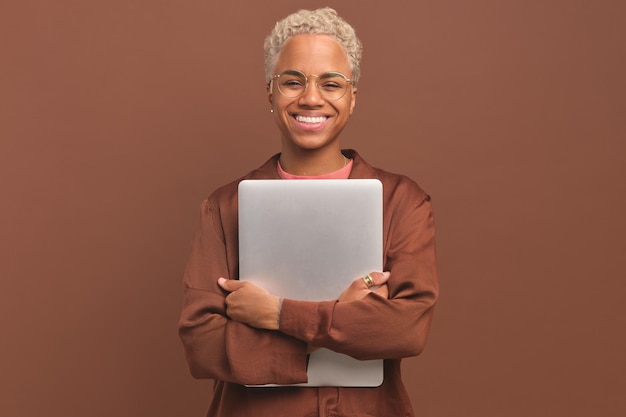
(230, 285)
(374, 282)
(374, 279)
(250, 304)
(384, 277)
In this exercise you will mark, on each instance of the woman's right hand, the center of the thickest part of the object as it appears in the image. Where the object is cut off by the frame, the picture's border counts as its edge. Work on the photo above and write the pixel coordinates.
(359, 289)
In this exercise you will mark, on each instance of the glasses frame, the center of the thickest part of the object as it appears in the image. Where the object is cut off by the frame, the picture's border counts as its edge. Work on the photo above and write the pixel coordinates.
(306, 82)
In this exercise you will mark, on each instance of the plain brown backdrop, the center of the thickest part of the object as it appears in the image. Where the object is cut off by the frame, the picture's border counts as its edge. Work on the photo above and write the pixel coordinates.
(118, 117)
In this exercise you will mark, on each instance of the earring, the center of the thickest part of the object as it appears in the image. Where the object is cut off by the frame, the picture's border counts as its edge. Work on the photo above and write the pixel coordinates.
(271, 110)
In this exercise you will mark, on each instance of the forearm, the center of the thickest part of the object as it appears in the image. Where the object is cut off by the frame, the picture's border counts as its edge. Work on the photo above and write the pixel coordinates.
(372, 328)
(219, 348)
(376, 327)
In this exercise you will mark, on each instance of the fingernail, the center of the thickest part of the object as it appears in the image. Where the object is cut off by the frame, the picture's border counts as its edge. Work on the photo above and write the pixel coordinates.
(221, 280)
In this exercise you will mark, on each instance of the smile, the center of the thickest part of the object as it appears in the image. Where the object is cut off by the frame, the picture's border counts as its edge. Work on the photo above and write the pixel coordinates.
(311, 120)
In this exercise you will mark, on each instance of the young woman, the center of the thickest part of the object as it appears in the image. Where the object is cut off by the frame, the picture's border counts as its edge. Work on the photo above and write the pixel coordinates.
(236, 332)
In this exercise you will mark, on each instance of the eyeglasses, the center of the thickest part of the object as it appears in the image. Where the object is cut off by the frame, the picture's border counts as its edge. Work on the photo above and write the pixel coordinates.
(331, 85)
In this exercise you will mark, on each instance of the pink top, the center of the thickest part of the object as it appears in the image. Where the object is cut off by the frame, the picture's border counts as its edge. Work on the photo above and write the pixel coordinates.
(340, 174)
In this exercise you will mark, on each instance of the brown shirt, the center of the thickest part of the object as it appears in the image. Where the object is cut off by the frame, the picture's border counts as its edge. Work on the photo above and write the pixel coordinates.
(234, 354)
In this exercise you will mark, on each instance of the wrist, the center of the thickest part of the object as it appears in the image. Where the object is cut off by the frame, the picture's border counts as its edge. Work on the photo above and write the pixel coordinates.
(280, 309)
(272, 319)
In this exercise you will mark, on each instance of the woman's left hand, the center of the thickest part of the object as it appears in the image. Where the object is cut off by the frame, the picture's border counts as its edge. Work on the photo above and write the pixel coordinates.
(251, 304)
(358, 289)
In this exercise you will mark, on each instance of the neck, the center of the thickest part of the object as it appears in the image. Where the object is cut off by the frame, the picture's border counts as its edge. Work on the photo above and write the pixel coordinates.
(312, 163)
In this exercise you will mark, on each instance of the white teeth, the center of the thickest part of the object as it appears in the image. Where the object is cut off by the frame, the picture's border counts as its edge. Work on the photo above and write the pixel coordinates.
(306, 119)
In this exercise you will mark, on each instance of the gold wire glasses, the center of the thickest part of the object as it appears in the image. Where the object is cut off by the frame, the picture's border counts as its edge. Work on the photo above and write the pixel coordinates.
(331, 85)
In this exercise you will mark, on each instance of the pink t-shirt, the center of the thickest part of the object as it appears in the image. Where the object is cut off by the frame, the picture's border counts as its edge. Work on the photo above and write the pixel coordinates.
(340, 174)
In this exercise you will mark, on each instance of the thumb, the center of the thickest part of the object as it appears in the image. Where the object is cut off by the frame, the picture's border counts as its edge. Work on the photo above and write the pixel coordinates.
(230, 285)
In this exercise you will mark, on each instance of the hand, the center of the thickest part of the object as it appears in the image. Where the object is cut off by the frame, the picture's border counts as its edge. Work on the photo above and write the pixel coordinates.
(250, 304)
(358, 289)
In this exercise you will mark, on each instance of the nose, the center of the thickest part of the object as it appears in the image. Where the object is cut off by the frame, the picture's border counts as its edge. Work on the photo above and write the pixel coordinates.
(311, 96)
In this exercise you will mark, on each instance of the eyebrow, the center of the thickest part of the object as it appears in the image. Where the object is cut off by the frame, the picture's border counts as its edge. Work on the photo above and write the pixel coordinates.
(332, 74)
(293, 72)
(322, 75)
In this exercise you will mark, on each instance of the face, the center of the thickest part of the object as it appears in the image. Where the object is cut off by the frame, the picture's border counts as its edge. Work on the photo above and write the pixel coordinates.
(309, 122)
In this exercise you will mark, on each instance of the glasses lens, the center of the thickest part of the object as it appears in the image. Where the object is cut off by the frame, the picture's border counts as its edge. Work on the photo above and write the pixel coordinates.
(291, 83)
(331, 85)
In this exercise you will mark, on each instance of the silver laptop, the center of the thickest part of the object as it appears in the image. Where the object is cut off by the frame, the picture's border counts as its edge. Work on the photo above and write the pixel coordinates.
(308, 240)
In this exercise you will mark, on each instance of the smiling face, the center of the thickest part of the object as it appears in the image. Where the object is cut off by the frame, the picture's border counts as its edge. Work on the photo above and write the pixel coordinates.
(309, 122)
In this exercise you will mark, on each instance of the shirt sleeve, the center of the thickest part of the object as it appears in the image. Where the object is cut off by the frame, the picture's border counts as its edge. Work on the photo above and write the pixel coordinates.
(215, 346)
(374, 327)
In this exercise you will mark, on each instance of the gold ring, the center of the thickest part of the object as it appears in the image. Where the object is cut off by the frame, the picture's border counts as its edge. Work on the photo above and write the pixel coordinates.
(367, 279)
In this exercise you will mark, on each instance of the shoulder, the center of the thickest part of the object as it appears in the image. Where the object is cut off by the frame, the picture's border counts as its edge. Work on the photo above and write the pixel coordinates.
(401, 184)
(397, 188)
(407, 208)
(402, 196)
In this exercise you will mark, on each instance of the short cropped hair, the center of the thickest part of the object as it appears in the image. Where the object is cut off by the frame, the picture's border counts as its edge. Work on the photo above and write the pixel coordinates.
(324, 21)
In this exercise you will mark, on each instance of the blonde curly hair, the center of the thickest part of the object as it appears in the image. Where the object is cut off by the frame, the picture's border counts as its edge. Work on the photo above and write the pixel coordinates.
(324, 21)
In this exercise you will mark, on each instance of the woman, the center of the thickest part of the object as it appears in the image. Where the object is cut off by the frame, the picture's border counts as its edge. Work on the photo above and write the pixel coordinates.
(237, 333)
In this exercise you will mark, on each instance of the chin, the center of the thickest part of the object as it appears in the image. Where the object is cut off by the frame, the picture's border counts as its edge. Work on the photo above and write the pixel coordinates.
(311, 145)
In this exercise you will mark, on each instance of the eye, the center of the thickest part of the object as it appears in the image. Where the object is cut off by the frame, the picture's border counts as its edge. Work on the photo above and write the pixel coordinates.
(291, 82)
(331, 85)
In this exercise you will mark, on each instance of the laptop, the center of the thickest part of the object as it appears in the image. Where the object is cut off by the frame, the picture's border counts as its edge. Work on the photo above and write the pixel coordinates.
(308, 240)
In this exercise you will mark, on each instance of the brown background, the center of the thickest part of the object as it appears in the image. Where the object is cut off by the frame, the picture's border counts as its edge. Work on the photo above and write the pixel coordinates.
(118, 117)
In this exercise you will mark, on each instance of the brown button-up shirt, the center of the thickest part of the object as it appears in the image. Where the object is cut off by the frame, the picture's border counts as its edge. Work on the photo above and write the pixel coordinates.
(234, 354)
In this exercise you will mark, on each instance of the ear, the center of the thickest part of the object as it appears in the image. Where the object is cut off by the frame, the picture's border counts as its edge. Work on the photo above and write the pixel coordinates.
(353, 103)
(268, 88)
